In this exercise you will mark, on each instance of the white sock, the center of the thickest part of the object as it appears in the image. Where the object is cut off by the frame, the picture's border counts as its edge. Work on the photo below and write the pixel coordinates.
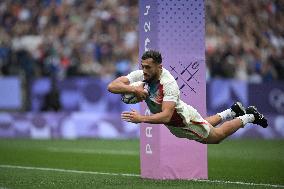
(247, 118)
(227, 114)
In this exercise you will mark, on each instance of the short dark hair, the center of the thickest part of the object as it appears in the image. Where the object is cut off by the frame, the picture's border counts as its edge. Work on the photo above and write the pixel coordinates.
(155, 55)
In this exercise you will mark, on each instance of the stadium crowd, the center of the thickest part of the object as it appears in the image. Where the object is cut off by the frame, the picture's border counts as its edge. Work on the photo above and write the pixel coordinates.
(62, 38)
(67, 38)
(245, 39)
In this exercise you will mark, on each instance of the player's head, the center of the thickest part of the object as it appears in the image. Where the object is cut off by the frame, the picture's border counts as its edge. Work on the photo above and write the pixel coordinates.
(151, 65)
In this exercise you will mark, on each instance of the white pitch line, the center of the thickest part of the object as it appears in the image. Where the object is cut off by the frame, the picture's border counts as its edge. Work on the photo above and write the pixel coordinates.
(68, 171)
(95, 151)
(134, 175)
(241, 183)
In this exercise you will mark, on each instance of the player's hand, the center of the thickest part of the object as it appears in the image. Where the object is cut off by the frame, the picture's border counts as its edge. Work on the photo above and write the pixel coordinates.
(132, 116)
(141, 93)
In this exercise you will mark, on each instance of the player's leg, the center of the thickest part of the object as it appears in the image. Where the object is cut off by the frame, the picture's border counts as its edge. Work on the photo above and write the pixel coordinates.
(214, 120)
(216, 135)
(236, 110)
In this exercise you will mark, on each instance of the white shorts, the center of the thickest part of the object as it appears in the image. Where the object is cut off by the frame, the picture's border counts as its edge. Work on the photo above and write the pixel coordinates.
(196, 128)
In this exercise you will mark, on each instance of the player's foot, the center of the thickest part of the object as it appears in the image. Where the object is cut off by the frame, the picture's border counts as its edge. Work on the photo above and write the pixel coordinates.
(259, 119)
(238, 108)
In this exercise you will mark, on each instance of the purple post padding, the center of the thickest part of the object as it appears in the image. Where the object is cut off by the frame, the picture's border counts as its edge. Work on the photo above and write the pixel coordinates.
(176, 29)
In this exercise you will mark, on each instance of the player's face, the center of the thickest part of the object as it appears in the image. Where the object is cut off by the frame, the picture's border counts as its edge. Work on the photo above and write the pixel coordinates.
(150, 69)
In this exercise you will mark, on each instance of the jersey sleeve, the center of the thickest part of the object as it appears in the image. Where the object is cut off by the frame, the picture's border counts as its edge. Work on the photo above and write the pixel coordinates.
(135, 76)
(171, 92)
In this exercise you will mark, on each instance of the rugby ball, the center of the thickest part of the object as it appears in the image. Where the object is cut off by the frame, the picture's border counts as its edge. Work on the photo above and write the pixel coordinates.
(130, 98)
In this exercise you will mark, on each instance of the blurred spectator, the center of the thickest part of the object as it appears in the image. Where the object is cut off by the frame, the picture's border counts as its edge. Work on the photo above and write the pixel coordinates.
(51, 100)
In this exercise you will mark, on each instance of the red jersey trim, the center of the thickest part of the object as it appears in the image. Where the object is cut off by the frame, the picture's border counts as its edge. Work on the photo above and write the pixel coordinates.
(198, 123)
(196, 134)
(176, 120)
(160, 94)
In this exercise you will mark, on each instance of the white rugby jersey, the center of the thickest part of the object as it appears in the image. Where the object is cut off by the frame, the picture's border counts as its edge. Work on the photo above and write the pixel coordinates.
(166, 89)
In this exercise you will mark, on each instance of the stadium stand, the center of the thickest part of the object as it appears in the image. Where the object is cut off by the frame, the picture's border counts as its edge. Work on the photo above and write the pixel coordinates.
(245, 40)
(66, 38)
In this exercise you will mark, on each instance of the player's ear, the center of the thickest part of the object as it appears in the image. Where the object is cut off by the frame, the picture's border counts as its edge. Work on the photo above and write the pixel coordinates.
(160, 66)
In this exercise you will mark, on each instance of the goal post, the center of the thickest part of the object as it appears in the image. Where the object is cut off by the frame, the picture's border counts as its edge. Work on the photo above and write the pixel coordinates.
(176, 28)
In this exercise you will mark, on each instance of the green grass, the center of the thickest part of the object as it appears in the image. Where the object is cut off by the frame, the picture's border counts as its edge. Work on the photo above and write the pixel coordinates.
(250, 161)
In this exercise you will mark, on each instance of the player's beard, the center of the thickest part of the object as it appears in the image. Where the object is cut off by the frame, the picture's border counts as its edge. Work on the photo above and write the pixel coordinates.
(149, 78)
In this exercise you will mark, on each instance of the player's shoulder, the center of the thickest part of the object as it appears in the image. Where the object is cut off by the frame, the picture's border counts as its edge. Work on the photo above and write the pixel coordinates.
(136, 72)
(134, 76)
(169, 83)
(167, 77)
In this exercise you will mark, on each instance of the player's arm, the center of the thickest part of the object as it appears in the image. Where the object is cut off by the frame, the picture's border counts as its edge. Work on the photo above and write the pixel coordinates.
(163, 117)
(121, 86)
